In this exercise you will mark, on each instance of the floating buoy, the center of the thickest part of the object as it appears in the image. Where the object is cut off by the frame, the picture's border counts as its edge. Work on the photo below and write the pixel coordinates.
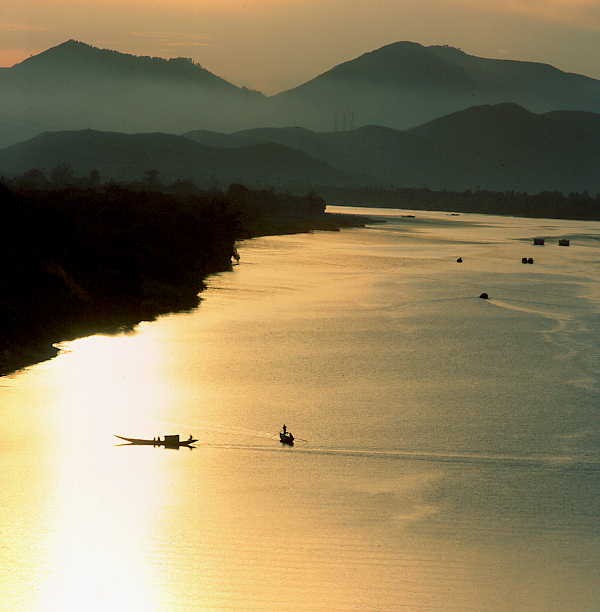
(524, 260)
(530, 260)
(484, 296)
(564, 242)
(538, 241)
(459, 260)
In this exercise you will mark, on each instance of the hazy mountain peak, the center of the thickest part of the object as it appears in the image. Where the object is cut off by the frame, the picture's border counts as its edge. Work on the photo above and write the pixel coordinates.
(493, 114)
(399, 46)
(81, 60)
(70, 49)
(502, 108)
(404, 84)
(72, 43)
(447, 49)
(400, 64)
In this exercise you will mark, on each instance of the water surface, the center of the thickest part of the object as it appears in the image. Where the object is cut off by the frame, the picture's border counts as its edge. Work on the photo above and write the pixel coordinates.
(449, 452)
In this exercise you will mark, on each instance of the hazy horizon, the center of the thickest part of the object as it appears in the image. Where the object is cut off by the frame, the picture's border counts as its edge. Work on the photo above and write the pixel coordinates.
(270, 47)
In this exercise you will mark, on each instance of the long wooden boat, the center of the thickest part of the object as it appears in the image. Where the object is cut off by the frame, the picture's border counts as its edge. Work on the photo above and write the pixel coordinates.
(171, 440)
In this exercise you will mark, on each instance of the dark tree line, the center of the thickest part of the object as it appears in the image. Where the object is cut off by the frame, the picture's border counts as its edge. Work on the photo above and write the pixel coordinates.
(76, 260)
(552, 204)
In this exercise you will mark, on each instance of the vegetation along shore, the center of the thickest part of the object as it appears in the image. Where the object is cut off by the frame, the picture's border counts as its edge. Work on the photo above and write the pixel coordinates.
(546, 204)
(84, 259)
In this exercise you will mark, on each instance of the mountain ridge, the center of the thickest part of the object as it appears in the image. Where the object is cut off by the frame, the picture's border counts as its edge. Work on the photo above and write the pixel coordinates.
(502, 147)
(76, 86)
(74, 54)
(416, 83)
(125, 157)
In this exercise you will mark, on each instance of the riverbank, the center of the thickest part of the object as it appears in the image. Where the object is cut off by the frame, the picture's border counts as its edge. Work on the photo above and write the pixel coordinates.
(81, 262)
(546, 205)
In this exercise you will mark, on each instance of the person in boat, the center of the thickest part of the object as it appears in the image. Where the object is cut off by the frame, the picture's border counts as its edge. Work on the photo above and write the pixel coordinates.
(190, 438)
(284, 428)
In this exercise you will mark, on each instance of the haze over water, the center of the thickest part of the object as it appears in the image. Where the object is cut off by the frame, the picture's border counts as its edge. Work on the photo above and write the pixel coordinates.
(448, 453)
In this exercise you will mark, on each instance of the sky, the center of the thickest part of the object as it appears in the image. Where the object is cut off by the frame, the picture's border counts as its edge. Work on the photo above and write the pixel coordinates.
(273, 45)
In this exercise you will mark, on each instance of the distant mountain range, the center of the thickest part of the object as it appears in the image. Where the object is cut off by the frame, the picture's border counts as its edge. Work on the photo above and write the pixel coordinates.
(405, 84)
(76, 86)
(497, 147)
(126, 157)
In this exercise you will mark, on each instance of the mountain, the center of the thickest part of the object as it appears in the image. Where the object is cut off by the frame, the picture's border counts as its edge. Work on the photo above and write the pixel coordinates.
(126, 157)
(76, 86)
(389, 157)
(405, 84)
(500, 147)
(507, 147)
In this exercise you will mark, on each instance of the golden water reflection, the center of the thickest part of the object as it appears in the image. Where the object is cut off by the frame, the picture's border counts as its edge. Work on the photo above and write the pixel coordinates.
(408, 494)
(104, 503)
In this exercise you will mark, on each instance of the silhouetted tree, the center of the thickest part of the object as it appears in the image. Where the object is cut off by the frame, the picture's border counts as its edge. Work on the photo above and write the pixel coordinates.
(93, 178)
(151, 178)
(183, 187)
(62, 175)
(33, 179)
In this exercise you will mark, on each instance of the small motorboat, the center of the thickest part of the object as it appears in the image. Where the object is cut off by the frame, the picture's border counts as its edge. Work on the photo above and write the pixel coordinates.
(171, 441)
(286, 437)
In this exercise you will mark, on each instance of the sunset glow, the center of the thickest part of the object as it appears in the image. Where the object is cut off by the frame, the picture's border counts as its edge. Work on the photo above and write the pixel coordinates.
(299, 305)
(272, 45)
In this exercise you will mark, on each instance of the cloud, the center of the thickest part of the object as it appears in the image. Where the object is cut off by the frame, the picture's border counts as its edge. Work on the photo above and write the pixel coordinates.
(21, 27)
(177, 43)
(583, 13)
(171, 40)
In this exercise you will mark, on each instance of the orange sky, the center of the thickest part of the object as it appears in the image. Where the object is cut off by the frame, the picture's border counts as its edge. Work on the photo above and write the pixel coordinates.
(275, 44)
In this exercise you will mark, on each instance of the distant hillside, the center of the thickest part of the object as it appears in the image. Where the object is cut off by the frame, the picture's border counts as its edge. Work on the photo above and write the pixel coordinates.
(389, 157)
(404, 84)
(500, 147)
(75, 86)
(507, 147)
(128, 156)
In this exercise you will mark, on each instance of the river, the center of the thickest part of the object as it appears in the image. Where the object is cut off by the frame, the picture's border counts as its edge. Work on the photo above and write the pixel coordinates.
(448, 447)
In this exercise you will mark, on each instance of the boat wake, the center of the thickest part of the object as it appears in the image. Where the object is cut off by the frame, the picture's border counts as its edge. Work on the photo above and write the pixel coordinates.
(526, 461)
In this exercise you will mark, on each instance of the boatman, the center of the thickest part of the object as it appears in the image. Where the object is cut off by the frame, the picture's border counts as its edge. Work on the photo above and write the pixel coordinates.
(284, 429)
